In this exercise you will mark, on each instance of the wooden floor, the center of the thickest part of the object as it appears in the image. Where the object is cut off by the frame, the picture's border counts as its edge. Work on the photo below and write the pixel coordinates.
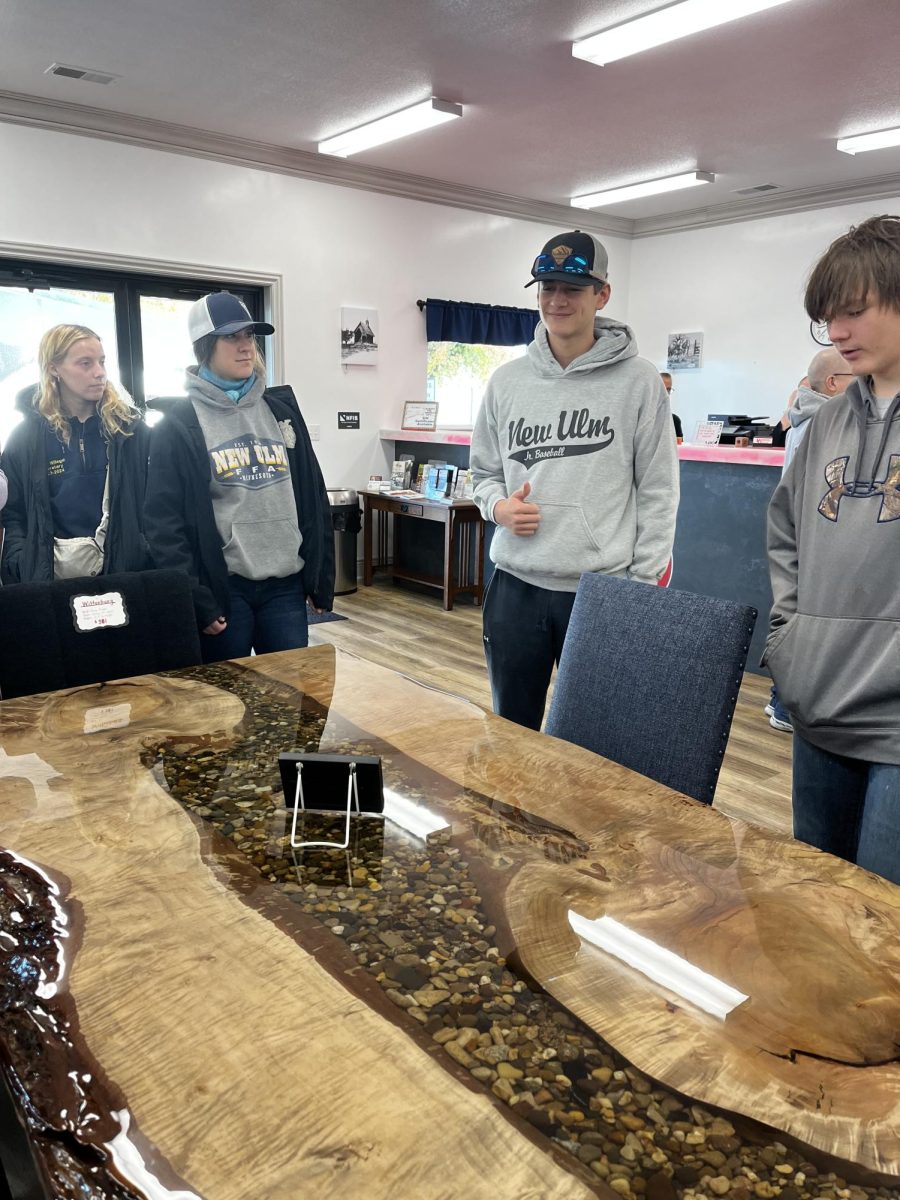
(409, 631)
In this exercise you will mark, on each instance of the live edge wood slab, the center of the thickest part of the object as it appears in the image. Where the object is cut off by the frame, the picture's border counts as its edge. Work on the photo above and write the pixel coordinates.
(231, 1046)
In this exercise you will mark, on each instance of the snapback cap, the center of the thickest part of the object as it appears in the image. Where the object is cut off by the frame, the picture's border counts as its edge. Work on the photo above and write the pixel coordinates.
(573, 257)
(222, 313)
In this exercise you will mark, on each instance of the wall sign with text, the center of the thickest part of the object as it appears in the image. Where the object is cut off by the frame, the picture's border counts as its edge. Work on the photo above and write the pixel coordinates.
(419, 414)
(348, 420)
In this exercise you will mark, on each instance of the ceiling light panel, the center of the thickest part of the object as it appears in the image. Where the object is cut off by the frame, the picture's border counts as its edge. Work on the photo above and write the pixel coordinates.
(869, 141)
(664, 25)
(387, 129)
(637, 191)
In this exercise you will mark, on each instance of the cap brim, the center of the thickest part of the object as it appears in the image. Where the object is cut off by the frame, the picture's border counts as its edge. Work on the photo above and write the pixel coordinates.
(237, 326)
(565, 277)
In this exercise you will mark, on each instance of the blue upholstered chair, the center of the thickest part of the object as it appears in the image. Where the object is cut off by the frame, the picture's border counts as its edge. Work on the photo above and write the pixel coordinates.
(649, 678)
(45, 645)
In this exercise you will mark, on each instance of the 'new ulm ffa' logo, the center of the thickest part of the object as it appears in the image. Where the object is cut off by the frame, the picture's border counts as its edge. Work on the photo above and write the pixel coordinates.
(248, 462)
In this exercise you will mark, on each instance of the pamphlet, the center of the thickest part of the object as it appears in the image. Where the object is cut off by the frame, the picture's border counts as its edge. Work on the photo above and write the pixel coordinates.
(708, 433)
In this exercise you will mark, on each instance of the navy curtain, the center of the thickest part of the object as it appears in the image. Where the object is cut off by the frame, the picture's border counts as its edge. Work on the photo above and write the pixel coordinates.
(482, 324)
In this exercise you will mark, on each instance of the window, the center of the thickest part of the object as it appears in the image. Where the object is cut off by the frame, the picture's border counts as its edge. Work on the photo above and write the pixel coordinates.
(141, 320)
(458, 373)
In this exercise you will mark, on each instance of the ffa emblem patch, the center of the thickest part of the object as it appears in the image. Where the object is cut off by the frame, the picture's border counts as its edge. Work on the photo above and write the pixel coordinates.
(290, 436)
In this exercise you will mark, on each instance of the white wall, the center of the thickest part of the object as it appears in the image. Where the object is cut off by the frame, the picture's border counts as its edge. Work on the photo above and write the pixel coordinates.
(741, 285)
(332, 246)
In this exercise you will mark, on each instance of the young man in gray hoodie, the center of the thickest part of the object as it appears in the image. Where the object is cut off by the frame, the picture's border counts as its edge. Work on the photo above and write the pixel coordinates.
(827, 377)
(834, 548)
(573, 458)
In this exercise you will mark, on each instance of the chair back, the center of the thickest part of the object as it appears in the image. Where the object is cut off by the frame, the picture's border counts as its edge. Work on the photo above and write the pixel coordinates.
(71, 632)
(649, 678)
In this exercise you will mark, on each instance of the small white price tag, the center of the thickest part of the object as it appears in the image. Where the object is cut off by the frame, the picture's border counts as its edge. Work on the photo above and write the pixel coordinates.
(107, 716)
(99, 612)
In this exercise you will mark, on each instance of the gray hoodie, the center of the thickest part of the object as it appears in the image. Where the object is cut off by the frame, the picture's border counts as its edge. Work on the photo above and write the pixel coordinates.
(800, 413)
(250, 481)
(834, 544)
(595, 441)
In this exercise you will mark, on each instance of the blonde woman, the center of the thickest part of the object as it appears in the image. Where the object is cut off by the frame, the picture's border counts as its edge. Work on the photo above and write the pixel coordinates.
(77, 470)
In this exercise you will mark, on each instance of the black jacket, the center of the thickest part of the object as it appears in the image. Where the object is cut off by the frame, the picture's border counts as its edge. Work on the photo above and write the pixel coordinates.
(27, 519)
(179, 519)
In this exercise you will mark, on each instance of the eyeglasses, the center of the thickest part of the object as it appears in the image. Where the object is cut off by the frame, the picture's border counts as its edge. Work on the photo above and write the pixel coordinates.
(836, 373)
(574, 264)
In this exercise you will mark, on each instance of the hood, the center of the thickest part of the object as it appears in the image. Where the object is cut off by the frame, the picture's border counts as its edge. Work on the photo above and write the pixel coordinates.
(806, 405)
(859, 396)
(208, 393)
(25, 398)
(615, 343)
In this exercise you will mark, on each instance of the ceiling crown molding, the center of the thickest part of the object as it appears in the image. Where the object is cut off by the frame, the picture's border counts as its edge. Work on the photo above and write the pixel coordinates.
(201, 143)
(772, 205)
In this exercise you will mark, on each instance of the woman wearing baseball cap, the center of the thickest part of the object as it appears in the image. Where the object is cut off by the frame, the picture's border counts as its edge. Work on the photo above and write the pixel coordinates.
(235, 497)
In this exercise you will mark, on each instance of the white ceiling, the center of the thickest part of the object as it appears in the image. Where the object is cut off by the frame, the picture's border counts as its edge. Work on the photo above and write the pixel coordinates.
(759, 100)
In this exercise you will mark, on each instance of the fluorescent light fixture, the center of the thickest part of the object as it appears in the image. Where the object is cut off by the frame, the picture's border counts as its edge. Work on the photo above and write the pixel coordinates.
(635, 191)
(659, 964)
(388, 129)
(869, 141)
(664, 25)
(420, 822)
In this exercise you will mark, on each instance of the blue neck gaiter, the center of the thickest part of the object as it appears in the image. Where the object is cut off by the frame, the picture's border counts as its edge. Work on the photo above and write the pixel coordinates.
(234, 389)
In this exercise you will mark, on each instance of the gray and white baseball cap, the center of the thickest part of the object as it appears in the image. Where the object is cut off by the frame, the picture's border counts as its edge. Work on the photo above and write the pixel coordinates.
(221, 313)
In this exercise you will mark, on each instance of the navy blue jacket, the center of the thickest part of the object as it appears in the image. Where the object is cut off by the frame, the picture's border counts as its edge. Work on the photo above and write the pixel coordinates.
(28, 516)
(180, 523)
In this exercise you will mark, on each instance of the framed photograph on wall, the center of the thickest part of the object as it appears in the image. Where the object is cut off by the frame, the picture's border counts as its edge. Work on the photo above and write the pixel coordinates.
(685, 351)
(359, 337)
(419, 414)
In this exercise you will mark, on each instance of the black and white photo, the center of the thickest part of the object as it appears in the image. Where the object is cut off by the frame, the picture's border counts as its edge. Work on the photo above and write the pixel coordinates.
(359, 337)
(685, 351)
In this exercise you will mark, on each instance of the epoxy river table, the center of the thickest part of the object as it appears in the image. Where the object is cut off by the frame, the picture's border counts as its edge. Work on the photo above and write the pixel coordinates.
(192, 1009)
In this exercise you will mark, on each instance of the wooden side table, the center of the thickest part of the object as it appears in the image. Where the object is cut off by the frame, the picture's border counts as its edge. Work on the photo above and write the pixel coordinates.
(461, 519)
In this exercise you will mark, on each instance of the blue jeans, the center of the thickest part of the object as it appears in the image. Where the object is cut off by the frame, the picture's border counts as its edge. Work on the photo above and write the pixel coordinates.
(524, 630)
(848, 807)
(778, 710)
(266, 615)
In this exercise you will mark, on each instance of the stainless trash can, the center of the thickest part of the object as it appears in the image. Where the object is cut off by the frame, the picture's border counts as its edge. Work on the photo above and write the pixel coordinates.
(346, 522)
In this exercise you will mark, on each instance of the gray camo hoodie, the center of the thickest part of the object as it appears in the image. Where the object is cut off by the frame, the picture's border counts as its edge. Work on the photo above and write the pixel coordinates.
(834, 544)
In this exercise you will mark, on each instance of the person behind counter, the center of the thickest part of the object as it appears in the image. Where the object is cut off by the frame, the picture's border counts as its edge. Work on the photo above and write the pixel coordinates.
(834, 545)
(76, 467)
(676, 420)
(235, 497)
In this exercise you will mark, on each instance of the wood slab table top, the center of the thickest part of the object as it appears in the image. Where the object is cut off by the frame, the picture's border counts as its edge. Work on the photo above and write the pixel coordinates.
(192, 1009)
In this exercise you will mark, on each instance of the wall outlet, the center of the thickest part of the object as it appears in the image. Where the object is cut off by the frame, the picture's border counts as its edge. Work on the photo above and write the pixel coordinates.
(314, 432)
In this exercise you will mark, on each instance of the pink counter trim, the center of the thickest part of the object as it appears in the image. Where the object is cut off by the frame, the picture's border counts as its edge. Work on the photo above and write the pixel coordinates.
(757, 456)
(440, 437)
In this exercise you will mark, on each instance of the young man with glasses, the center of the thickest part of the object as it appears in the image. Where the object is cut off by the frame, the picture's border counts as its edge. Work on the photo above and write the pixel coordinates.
(834, 545)
(573, 458)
